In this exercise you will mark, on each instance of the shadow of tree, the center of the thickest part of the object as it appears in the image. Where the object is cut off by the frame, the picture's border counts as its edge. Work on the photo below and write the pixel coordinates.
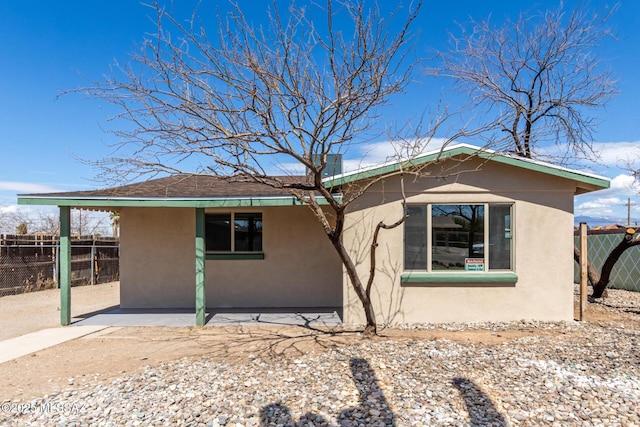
(373, 408)
(479, 406)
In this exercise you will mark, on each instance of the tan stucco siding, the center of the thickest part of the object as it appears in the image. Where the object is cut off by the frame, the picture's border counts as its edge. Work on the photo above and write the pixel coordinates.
(157, 258)
(542, 224)
(300, 268)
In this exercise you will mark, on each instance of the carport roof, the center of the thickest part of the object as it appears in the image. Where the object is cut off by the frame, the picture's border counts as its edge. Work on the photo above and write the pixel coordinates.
(174, 191)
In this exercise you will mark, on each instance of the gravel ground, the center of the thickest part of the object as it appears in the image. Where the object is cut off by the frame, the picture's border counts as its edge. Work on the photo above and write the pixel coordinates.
(574, 374)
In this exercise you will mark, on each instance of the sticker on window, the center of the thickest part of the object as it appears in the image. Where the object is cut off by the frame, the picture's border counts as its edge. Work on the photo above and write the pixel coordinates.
(474, 264)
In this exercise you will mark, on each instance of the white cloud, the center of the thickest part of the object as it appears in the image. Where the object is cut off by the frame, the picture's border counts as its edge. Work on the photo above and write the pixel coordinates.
(369, 154)
(608, 207)
(616, 154)
(624, 182)
(26, 187)
(7, 210)
(384, 151)
(622, 187)
(610, 203)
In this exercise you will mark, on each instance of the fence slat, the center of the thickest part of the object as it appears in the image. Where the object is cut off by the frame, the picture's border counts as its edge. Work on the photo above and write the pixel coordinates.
(30, 263)
(626, 272)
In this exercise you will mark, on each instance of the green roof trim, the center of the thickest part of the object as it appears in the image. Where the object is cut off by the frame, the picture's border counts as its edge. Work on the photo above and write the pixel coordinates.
(469, 150)
(161, 203)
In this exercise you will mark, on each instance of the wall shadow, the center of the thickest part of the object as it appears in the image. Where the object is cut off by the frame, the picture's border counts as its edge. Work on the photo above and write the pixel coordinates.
(480, 407)
(373, 408)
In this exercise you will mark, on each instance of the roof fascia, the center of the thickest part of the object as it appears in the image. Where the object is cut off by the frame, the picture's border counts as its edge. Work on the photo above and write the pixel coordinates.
(390, 168)
(160, 203)
(592, 182)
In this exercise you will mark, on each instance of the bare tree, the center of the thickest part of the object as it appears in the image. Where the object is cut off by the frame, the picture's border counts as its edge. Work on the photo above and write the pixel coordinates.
(48, 222)
(235, 101)
(24, 221)
(14, 221)
(537, 80)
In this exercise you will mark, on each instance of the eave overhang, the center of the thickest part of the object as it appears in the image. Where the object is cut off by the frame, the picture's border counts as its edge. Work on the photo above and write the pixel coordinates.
(585, 182)
(120, 202)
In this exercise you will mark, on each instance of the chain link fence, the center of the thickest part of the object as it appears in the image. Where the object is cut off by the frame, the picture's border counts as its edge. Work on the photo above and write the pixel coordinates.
(626, 272)
(31, 263)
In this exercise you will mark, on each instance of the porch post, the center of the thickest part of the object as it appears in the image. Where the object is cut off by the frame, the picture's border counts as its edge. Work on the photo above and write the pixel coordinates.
(201, 306)
(65, 265)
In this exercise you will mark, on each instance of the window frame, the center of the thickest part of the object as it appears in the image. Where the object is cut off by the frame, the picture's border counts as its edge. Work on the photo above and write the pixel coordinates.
(507, 276)
(234, 254)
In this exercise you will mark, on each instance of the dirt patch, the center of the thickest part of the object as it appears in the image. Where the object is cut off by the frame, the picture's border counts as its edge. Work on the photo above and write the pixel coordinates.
(116, 351)
(34, 311)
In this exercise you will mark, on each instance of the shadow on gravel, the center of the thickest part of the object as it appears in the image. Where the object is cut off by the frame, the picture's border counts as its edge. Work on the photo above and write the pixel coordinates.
(373, 408)
(482, 411)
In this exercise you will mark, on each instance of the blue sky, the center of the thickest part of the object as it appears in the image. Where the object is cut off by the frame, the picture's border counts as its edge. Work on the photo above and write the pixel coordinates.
(49, 47)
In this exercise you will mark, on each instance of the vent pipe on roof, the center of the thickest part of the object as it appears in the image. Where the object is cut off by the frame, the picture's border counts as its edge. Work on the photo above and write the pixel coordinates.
(333, 165)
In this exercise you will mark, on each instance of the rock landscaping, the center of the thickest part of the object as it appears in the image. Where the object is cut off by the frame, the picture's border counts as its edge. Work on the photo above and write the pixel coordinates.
(568, 374)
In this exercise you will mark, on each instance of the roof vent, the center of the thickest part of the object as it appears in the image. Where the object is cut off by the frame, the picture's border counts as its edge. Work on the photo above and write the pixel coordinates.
(333, 166)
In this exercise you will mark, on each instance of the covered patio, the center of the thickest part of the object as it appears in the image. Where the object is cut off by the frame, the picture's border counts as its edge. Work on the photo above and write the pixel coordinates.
(172, 268)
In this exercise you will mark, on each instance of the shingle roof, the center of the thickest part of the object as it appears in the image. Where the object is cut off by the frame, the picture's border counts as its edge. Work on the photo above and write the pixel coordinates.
(175, 191)
(185, 187)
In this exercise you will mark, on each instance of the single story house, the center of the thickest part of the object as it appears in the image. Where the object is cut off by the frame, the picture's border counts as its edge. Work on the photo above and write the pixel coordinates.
(488, 237)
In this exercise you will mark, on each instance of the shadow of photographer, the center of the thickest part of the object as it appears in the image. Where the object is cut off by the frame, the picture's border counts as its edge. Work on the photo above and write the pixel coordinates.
(372, 410)
(479, 405)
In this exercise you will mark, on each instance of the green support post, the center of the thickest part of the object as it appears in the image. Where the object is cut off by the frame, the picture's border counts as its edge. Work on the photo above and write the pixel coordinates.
(201, 306)
(65, 265)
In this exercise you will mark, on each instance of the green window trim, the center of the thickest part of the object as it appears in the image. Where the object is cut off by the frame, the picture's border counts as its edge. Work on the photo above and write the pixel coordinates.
(234, 256)
(464, 277)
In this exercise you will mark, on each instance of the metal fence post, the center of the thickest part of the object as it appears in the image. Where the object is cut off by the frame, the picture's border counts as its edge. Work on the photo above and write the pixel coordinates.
(56, 263)
(93, 260)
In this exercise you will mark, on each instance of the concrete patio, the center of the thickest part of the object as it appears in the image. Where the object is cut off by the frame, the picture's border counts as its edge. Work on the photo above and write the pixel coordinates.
(186, 318)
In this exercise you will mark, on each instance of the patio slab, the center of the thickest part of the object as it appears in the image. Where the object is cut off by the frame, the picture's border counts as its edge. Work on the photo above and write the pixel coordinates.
(186, 318)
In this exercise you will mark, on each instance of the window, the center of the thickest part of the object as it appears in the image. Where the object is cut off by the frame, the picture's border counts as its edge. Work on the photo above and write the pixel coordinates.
(244, 236)
(473, 237)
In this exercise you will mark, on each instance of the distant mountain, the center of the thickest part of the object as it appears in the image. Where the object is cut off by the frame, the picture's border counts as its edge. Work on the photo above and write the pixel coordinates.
(594, 222)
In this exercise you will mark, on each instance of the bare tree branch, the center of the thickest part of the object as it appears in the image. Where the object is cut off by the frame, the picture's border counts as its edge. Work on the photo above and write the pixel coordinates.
(536, 79)
(237, 99)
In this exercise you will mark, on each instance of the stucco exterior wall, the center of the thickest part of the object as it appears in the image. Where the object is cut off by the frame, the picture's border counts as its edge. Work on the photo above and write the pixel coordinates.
(157, 269)
(157, 258)
(542, 225)
(300, 268)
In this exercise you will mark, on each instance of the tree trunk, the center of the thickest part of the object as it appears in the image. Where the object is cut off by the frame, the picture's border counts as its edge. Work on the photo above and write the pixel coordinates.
(335, 237)
(371, 328)
(601, 281)
(592, 273)
(605, 274)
